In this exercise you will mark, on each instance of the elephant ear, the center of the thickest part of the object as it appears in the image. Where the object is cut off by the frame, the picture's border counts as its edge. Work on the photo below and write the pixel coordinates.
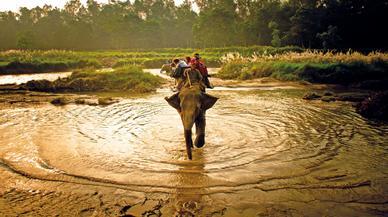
(208, 101)
(174, 101)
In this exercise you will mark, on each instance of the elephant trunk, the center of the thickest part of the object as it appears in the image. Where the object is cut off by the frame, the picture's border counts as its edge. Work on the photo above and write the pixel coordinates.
(189, 143)
(188, 119)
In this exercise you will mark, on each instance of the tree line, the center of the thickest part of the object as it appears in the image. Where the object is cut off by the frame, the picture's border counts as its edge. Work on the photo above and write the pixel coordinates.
(128, 24)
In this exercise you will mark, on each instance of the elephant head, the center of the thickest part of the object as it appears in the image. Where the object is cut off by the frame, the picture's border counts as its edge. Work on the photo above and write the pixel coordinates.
(192, 103)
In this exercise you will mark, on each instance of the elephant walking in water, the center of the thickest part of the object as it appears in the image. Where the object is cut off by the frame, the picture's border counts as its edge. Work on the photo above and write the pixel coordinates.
(192, 103)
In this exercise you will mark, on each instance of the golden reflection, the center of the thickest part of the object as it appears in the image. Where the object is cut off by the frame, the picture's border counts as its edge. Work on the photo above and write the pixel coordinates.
(189, 200)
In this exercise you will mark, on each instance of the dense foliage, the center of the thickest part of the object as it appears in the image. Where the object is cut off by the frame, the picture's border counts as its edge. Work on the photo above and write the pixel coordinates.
(213, 23)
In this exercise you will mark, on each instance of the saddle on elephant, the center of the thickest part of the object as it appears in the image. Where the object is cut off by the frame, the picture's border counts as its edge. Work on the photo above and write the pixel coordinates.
(192, 77)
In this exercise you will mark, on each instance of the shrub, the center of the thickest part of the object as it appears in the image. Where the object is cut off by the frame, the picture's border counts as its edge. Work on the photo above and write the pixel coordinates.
(130, 78)
(310, 66)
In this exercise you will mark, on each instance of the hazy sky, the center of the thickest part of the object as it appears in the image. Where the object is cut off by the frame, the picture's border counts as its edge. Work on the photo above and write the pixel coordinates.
(14, 5)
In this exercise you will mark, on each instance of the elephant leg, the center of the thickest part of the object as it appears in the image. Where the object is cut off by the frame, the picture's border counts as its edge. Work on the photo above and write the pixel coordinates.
(200, 124)
(189, 143)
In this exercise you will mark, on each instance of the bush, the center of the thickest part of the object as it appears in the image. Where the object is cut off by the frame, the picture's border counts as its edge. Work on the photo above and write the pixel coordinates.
(130, 78)
(231, 70)
(343, 73)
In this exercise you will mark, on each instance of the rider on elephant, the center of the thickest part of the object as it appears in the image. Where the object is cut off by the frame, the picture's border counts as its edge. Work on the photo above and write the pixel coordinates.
(200, 66)
(191, 102)
(192, 77)
(181, 66)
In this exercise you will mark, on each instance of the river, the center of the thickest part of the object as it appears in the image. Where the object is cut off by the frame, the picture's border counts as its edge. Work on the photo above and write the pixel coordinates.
(267, 153)
(24, 78)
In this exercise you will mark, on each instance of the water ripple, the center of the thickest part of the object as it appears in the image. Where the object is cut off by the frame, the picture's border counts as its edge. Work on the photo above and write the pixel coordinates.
(254, 139)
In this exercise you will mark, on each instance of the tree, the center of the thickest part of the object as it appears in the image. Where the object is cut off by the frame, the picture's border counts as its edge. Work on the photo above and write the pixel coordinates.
(275, 34)
(8, 30)
(330, 38)
(160, 23)
(217, 25)
(25, 40)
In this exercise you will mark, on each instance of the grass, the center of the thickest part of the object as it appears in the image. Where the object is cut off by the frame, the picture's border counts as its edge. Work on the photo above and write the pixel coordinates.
(337, 68)
(285, 63)
(18, 61)
(129, 79)
(42, 66)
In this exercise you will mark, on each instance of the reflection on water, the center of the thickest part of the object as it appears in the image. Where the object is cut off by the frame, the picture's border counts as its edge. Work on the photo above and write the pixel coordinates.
(24, 78)
(258, 142)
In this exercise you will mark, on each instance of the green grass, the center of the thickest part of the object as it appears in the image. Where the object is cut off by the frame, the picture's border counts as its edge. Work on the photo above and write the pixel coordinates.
(335, 73)
(129, 79)
(60, 60)
(313, 67)
(47, 65)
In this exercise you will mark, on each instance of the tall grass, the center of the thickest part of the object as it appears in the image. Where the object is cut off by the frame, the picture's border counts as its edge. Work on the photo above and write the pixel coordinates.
(36, 60)
(313, 66)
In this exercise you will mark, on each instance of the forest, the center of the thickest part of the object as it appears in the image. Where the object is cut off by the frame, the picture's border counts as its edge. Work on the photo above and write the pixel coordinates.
(149, 24)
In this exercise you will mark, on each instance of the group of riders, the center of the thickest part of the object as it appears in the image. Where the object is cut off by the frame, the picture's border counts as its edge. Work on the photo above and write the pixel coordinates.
(188, 72)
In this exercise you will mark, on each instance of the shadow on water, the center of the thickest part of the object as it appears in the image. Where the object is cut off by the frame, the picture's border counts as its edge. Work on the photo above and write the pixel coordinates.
(189, 202)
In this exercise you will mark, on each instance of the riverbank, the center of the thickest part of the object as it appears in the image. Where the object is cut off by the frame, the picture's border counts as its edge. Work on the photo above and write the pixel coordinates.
(350, 69)
(129, 79)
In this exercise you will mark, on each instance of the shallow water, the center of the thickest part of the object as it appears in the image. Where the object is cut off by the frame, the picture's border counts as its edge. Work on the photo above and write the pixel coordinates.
(262, 147)
(23, 78)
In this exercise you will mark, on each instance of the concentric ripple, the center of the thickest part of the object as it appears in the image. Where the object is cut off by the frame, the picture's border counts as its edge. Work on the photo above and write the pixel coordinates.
(264, 140)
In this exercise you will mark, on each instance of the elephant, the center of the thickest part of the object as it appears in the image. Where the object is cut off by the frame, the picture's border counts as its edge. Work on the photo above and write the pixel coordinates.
(191, 104)
(167, 68)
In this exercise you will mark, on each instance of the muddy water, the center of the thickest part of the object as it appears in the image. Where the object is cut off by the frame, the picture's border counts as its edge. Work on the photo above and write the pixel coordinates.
(266, 153)
(19, 79)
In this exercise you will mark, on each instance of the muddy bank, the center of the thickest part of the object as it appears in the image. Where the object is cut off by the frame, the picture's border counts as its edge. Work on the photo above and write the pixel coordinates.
(22, 98)
(374, 106)
(369, 104)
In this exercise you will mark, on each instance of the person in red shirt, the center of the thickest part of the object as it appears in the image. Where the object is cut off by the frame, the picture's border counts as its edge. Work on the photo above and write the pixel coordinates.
(201, 68)
(188, 60)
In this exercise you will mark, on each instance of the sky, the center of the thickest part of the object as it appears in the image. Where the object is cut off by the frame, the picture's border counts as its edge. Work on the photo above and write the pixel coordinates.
(14, 5)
